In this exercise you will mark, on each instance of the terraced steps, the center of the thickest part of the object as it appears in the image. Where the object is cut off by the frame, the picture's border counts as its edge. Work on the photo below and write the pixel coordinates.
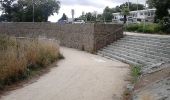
(139, 50)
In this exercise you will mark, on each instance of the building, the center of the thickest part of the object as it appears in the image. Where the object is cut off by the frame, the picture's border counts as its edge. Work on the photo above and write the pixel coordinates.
(137, 16)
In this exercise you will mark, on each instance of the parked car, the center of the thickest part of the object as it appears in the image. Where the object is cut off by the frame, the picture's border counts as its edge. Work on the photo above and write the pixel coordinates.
(79, 22)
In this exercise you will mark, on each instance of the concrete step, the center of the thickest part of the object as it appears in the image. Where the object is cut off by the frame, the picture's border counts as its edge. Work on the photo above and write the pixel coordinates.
(139, 50)
(111, 56)
(142, 52)
(148, 41)
(139, 53)
(145, 47)
(149, 38)
(134, 55)
(146, 44)
(128, 57)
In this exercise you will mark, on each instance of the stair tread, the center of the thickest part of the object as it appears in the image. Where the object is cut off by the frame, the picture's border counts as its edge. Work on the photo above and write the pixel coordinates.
(139, 50)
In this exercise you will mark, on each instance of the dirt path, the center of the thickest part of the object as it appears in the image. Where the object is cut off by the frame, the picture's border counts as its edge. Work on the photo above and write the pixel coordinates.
(81, 76)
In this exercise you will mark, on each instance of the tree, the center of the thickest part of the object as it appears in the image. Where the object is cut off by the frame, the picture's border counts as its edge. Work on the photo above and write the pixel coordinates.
(64, 17)
(22, 10)
(107, 14)
(132, 6)
(125, 11)
(161, 6)
(150, 3)
(7, 10)
(89, 17)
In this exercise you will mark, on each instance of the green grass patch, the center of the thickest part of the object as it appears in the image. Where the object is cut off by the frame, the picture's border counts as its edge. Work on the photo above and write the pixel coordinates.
(144, 28)
(135, 72)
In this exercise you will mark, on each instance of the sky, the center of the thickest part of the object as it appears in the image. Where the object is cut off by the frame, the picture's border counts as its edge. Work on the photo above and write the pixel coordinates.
(86, 6)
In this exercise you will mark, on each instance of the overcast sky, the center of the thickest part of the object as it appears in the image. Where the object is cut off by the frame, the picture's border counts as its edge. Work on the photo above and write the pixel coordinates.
(86, 6)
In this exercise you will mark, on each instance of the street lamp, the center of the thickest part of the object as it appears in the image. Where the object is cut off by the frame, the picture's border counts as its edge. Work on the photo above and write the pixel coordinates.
(144, 26)
(169, 11)
(32, 10)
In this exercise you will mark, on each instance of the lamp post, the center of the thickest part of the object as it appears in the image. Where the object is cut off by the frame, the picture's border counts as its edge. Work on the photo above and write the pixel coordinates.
(144, 18)
(32, 10)
(128, 4)
(137, 5)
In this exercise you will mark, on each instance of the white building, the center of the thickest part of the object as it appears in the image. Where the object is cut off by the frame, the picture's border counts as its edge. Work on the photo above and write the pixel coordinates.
(137, 16)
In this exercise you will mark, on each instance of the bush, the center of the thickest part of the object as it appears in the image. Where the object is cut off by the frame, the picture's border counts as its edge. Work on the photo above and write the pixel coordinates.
(21, 56)
(165, 25)
(147, 28)
(135, 72)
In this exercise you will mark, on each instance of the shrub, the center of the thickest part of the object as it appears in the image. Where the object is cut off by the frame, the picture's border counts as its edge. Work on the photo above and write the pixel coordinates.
(21, 56)
(135, 72)
(165, 25)
(147, 28)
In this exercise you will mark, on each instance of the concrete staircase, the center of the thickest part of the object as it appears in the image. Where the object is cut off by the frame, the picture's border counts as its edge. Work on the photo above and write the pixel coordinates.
(139, 50)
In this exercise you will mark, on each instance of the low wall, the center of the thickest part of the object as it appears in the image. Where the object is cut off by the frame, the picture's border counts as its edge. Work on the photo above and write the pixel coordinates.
(88, 37)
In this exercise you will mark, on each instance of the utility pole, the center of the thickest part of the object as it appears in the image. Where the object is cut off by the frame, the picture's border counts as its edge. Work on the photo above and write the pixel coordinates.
(128, 4)
(144, 26)
(137, 5)
(33, 11)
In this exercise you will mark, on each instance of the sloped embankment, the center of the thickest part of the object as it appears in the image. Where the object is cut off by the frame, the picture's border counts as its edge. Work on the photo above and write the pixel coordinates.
(154, 85)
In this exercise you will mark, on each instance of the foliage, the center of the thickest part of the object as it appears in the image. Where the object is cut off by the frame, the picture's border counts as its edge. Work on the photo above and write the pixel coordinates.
(132, 6)
(125, 11)
(21, 56)
(22, 10)
(150, 3)
(147, 28)
(165, 25)
(107, 14)
(64, 17)
(135, 72)
(161, 6)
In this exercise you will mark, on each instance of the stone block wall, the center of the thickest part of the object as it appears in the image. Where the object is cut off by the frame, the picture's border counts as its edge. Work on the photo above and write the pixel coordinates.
(88, 37)
(105, 34)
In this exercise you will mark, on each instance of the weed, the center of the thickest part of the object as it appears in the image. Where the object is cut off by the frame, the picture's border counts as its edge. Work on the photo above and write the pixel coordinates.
(18, 57)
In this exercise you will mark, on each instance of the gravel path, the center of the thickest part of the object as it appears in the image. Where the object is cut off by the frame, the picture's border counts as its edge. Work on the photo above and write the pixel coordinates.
(80, 76)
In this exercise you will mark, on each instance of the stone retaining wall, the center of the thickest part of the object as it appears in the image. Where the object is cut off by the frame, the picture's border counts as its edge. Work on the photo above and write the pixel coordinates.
(88, 37)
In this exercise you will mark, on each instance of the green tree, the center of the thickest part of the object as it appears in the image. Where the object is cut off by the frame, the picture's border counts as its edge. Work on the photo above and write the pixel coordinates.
(125, 11)
(150, 3)
(107, 14)
(132, 6)
(22, 10)
(7, 10)
(161, 6)
(64, 17)
(89, 17)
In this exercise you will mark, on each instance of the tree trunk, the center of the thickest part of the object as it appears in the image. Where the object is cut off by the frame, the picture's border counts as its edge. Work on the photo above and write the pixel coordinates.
(125, 19)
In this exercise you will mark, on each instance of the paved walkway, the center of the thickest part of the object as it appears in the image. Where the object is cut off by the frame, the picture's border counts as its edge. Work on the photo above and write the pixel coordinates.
(147, 34)
(81, 76)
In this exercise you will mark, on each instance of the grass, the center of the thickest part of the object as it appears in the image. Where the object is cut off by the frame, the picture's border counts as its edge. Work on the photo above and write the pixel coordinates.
(135, 72)
(152, 28)
(19, 57)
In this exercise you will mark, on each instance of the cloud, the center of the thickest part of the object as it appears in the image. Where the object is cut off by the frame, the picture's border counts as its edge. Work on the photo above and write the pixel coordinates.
(93, 3)
(86, 6)
(98, 3)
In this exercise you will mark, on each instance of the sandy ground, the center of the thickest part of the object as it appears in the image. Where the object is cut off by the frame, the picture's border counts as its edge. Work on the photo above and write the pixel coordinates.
(80, 76)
